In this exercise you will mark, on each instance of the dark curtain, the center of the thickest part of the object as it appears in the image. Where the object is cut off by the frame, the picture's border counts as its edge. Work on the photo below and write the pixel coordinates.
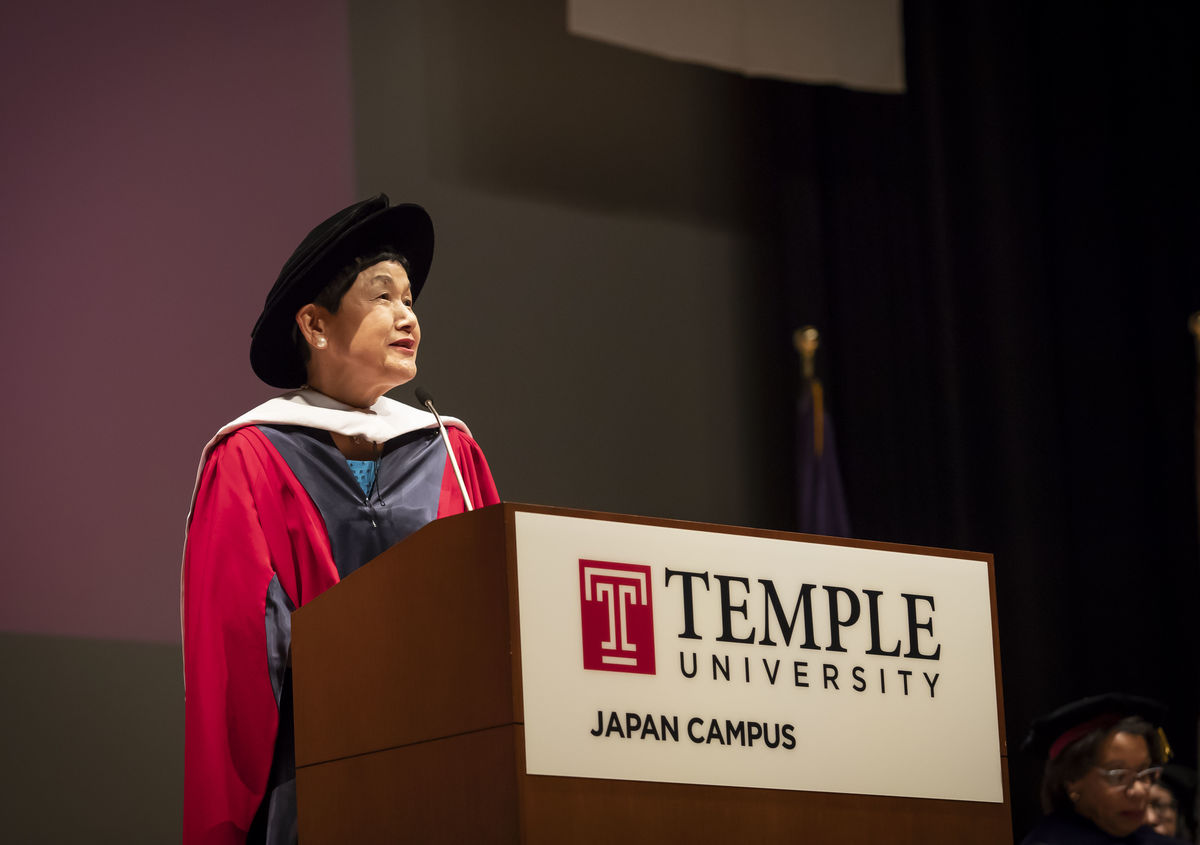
(1002, 263)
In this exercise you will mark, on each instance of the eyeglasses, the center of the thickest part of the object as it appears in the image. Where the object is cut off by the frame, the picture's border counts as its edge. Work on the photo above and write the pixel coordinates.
(1125, 778)
(1163, 808)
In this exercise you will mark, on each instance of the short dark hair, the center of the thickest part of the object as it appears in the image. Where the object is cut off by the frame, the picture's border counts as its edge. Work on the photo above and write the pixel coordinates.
(1073, 762)
(330, 297)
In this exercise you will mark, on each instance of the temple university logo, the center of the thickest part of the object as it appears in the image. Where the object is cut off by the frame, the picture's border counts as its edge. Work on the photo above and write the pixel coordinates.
(618, 616)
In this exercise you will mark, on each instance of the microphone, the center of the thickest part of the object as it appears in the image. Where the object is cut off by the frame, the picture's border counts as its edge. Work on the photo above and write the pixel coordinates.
(425, 399)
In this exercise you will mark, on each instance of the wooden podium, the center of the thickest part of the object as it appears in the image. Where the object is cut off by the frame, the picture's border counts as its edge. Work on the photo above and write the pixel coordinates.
(410, 722)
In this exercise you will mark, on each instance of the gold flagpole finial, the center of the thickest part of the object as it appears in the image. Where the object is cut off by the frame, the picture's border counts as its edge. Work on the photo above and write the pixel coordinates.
(806, 340)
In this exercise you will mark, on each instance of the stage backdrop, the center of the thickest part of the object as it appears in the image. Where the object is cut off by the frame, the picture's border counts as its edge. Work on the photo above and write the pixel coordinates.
(625, 245)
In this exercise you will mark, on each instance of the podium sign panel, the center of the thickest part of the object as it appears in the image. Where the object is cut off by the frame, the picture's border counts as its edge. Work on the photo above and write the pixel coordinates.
(658, 653)
(543, 675)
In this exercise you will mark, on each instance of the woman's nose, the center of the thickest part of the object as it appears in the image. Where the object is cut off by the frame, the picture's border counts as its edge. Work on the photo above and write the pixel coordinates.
(404, 314)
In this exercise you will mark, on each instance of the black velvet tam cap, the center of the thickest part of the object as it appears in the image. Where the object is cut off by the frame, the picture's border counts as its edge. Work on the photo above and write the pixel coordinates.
(365, 228)
(1053, 732)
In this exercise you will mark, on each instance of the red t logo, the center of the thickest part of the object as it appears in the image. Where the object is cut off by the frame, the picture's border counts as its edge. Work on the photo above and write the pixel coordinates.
(618, 616)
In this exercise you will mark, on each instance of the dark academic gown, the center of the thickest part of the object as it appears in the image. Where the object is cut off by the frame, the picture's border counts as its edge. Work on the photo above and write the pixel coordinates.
(1066, 828)
(278, 518)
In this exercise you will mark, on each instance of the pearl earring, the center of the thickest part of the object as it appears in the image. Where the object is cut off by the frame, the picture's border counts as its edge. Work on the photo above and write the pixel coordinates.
(320, 343)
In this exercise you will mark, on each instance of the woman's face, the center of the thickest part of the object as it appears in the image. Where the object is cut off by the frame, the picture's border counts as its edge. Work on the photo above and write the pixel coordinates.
(1116, 810)
(370, 345)
(1162, 814)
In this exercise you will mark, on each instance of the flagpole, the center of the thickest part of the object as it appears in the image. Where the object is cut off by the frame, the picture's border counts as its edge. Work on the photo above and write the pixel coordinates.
(806, 339)
(1194, 325)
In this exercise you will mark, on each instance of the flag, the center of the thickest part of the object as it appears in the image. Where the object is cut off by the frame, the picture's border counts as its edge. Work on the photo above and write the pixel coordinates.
(820, 501)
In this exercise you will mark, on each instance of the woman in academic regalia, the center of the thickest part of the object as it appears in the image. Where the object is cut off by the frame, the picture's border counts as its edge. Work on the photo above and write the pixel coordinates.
(298, 493)
(1103, 755)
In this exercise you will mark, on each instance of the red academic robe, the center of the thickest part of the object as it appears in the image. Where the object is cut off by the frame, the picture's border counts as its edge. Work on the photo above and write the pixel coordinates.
(254, 523)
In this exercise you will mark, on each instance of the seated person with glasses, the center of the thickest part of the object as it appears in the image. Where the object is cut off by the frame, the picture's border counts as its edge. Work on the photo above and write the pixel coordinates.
(1103, 755)
(1163, 811)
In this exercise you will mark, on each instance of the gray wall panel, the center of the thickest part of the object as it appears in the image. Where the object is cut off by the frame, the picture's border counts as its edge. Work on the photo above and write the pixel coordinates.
(594, 309)
(92, 740)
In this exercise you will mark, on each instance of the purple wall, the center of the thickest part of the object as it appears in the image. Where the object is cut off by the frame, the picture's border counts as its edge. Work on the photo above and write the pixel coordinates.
(158, 162)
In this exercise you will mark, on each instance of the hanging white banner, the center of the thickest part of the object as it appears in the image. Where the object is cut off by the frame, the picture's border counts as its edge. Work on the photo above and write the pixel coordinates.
(855, 43)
